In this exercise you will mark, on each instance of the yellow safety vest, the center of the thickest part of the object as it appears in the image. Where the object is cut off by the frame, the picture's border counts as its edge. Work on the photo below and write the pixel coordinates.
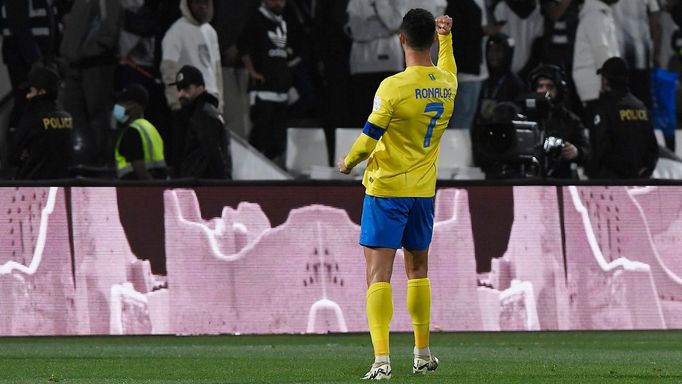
(152, 144)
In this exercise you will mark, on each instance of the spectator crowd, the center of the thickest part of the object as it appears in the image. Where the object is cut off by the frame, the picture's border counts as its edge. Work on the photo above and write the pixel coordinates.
(154, 89)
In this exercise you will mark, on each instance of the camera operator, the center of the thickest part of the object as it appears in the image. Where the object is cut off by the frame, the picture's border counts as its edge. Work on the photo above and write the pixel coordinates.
(566, 141)
(508, 144)
(624, 144)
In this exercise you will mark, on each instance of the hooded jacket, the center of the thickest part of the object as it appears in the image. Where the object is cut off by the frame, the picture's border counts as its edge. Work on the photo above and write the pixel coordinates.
(502, 84)
(595, 42)
(189, 42)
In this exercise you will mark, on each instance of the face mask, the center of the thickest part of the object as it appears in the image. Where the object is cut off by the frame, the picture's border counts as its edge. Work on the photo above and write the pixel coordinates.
(120, 114)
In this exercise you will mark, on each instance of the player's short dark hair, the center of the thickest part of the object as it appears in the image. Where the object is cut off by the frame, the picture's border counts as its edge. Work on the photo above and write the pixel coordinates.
(419, 26)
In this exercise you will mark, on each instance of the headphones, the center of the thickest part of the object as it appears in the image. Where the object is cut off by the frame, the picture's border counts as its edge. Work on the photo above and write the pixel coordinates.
(552, 72)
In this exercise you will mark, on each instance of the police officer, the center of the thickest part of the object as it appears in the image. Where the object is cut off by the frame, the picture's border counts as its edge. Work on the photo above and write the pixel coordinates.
(42, 145)
(30, 33)
(139, 148)
(624, 144)
(560, 123)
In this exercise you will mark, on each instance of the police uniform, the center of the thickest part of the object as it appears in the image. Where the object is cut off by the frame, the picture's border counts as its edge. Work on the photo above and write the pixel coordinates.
(624, 142)
(30, 33)
(624, 145)
(43, 139)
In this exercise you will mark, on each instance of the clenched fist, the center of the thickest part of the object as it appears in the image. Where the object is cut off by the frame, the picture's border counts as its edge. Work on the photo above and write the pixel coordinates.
(443, 24)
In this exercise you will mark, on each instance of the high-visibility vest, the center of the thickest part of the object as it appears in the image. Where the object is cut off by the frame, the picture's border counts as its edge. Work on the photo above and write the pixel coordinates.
(151, 144)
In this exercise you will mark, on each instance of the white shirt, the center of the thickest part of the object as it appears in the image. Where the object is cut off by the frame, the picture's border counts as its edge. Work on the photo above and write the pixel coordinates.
(632, 30)
(523, 31)
(595, 42)
(195, 45)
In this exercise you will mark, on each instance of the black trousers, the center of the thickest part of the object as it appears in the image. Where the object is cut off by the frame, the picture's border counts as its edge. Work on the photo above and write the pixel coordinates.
(269, 127)
(88, 96)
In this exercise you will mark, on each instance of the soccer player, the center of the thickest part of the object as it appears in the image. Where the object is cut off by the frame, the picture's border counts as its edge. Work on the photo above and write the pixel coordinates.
(401, 141)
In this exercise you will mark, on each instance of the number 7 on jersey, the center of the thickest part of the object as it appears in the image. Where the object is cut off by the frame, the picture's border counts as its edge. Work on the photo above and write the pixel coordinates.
(439, 109)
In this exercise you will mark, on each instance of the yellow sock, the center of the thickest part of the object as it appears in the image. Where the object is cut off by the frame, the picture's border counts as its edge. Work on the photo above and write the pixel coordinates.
(419, 306)
(379, 314)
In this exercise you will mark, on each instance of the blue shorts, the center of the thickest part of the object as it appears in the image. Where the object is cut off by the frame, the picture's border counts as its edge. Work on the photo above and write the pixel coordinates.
(396, 222)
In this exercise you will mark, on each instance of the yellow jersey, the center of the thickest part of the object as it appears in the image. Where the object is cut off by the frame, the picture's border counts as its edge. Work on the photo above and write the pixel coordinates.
(402, 136)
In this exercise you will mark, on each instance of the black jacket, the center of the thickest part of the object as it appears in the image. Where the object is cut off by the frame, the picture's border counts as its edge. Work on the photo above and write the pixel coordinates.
(467, 35)
(502, 84)
(229, 20)
(624, 144)
(42, 144)
(566, 125)
(23, 25)
(207, 150)
(265, 40)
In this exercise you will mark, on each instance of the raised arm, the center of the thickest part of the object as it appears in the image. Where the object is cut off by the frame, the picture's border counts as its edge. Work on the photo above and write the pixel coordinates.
(446, 59)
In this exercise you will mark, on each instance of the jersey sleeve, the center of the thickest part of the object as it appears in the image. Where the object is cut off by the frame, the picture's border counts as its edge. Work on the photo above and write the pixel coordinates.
(446, 58)
(382, 112)
(384, 104)
(363, 147)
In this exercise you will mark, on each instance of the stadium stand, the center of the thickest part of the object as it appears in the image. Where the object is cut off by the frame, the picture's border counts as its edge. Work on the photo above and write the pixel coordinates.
(306, 147)
(249, 164)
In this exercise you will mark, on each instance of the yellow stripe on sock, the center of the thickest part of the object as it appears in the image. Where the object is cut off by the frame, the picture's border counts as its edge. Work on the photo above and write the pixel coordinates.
(419, 306)
(379, 314)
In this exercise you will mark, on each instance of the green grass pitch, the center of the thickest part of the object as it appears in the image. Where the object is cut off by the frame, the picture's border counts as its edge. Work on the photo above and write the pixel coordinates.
(540, 357)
